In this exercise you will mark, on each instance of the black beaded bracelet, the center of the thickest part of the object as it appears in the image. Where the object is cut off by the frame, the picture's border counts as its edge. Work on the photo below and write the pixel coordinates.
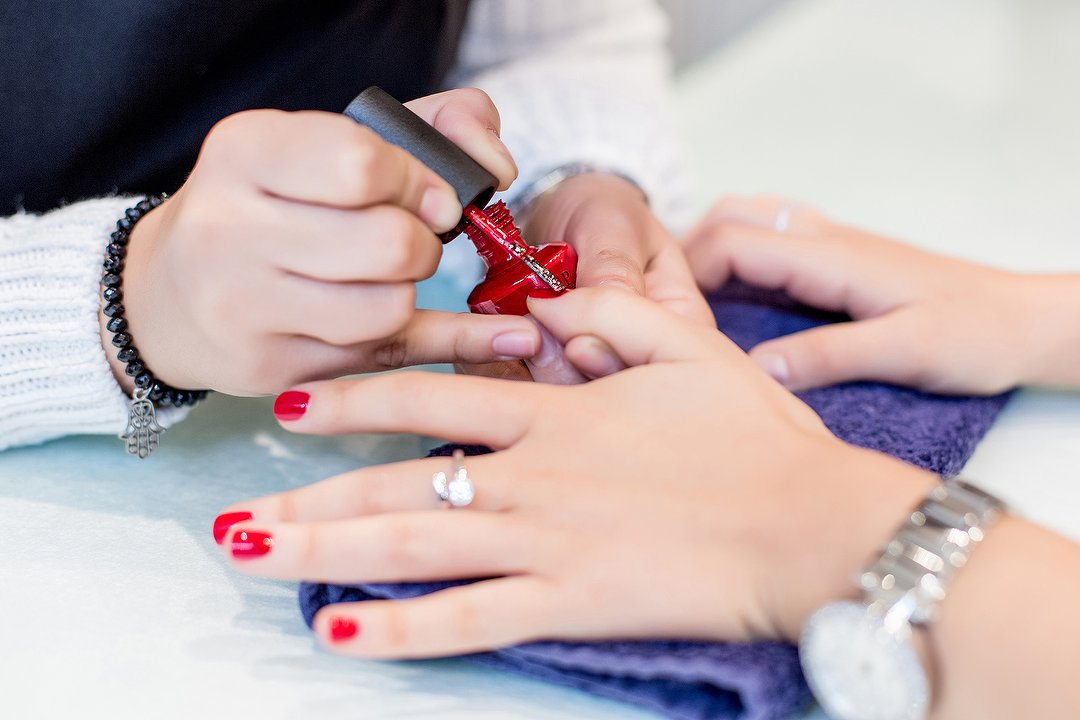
(142, 429)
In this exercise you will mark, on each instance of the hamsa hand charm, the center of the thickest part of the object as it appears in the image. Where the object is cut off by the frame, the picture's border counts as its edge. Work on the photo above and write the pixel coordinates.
(142, 429)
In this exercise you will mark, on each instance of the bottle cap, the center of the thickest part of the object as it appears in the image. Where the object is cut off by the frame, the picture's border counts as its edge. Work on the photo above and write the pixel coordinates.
(395, 123)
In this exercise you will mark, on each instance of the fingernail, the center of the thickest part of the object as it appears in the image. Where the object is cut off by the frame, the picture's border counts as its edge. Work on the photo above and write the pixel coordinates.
(619, 284)
(251, 543)
(224, 521)
(439, 208)
(291, 405)
(774, 365)
(550, 350)
(343, 628)
(605, 363)
(515, 345)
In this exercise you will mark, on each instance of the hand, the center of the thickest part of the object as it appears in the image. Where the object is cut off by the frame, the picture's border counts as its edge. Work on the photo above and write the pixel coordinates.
(920, 319)
(292, 251)
(690, 496)
(620, 244)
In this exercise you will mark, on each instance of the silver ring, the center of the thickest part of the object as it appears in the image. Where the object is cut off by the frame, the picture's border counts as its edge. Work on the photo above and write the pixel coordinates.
(457, 490)
(783, 219)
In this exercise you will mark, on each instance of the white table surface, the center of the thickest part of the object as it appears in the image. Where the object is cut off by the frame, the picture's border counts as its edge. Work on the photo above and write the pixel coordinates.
(952, 125)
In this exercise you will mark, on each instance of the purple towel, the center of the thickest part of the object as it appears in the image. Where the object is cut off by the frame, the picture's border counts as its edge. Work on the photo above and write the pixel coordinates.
(744, 681)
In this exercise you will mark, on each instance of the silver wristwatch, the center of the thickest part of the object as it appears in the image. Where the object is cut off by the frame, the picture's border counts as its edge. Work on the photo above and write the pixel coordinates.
(552, 178)
(858, 656)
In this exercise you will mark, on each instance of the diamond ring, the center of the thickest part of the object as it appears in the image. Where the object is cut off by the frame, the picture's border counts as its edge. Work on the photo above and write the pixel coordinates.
(457, 490)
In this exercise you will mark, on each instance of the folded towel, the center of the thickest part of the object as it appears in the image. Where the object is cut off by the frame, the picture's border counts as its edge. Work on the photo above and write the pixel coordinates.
(743, 681)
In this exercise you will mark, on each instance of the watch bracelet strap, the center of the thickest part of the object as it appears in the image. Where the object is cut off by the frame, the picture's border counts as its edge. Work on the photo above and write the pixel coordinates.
(913, 572)
(551, 179)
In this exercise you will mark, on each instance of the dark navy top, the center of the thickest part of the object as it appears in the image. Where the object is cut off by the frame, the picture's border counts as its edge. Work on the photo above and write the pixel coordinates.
(106, 96)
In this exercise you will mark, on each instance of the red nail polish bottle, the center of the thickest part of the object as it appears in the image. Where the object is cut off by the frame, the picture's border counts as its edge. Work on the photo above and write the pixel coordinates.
(515, 270)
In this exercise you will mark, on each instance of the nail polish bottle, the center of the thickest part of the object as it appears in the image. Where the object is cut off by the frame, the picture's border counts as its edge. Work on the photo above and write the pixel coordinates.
(515, 270)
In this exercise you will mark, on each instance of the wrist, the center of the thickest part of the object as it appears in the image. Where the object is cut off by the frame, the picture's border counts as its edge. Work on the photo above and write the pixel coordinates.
(1051, 336)
(863, 498)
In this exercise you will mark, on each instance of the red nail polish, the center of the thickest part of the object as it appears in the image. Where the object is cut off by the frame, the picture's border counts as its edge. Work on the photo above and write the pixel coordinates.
(343, 628)
(516, 271)
(291, 405)
(224, 521)
(251, 543)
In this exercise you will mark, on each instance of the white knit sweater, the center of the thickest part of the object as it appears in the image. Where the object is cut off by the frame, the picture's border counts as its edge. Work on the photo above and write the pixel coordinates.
(574, 81)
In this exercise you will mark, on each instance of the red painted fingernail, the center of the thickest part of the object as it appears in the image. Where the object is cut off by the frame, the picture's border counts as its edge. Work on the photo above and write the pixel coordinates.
(224, 521)
(343, 628)
(291, 405)
(251, 543)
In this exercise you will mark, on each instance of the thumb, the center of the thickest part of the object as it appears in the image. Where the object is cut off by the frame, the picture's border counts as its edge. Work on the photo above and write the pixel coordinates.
(844, 352)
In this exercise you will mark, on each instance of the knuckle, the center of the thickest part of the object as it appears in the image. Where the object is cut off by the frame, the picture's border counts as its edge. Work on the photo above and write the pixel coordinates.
(392, 353)
(398, 308)
(401, 253)
(405, 546)
(468, 621)
(234, 130)
(358, 165)
(396, 626)
(477, 98)
(384, 314)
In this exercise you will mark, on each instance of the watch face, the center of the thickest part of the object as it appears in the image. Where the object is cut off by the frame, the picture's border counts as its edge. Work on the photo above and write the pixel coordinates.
(857, 670)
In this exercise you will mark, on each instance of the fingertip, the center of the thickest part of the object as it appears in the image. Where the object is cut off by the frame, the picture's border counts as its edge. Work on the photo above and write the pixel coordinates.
(291, 405)
(334, 627)
(774, 364)
(593, 357)
(224, 523)
(516, 344)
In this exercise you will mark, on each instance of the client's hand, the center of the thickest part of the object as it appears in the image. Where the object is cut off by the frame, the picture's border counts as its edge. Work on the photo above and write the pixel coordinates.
(924, 320)
(292, 250)
(621, 244)
(689, 496)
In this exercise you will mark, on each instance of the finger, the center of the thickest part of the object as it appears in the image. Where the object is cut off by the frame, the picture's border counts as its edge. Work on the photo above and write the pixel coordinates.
(611, 251)
(455, 621)
(669, 281)
(433, 336)
(640, 331)
(325, 158)
(550, 365)
(430, 336)
(826, 273)
(359, 312)
(509, 370)
(768, 212)
(376, 490)
(872, 349)
(451, 407)
(469, 118)
(383, 243)
(593, 357)
(401, 547)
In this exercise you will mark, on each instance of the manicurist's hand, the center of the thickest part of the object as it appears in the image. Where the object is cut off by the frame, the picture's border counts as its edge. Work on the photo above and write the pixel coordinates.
(292, 251)
(620, 244)
(920, 319)
(674, 499)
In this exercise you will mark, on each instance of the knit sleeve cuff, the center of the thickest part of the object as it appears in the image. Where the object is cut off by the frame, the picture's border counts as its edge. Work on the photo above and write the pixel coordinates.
(55, 379)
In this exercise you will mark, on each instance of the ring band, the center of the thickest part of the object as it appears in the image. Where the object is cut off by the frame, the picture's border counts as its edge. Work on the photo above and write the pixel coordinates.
(783, 219)
(457, 490)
